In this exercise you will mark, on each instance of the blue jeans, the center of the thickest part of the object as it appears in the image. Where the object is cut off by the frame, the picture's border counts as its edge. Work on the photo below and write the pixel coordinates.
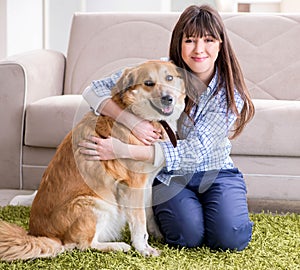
(205, 208)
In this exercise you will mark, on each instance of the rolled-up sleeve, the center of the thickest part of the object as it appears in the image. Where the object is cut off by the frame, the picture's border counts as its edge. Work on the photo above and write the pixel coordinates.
(100, 90)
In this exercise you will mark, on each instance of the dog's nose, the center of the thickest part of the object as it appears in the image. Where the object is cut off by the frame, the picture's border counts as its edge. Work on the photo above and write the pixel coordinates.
(166, 100)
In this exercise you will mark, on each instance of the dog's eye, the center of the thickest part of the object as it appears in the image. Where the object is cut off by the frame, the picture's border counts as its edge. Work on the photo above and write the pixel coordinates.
(169, 78)
(149, 83)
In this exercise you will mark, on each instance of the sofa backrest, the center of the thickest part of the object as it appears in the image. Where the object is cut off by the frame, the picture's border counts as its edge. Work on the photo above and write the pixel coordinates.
(267, 46)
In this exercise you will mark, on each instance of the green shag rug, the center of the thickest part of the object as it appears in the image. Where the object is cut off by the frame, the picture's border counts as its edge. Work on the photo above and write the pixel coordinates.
(275, 245)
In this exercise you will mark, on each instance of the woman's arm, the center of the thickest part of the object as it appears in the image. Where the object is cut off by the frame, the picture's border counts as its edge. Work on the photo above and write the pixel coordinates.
(96, 148)
(111, 148)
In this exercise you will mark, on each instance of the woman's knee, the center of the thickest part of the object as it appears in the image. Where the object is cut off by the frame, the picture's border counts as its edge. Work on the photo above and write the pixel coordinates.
(230, 237)
(181, 220)
(184, 233)
(226, 213)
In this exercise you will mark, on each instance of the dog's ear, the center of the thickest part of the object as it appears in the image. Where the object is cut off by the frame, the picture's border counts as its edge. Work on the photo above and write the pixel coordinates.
(125, 82)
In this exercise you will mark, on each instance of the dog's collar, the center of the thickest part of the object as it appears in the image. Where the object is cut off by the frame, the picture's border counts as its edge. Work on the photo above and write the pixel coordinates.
(170, 132)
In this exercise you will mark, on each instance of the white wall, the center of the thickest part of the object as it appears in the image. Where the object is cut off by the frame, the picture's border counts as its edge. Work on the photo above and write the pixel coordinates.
(3, 29)
(290, 6)
(265, 6)
(21, 26)
(127, 5)
(284, 6)
(58, 18)
(177, 5)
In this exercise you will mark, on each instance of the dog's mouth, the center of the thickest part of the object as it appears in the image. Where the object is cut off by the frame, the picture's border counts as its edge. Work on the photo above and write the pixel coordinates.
(163, 109)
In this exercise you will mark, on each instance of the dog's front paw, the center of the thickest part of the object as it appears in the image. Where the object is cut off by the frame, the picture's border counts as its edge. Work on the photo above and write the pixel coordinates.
(148, 251)
(111, 246)
(120, 246)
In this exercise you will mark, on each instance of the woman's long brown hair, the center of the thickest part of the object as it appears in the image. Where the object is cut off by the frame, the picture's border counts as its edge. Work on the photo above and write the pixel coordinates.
(197, 21)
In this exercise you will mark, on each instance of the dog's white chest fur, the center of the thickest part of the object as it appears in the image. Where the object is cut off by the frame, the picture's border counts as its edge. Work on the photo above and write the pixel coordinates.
(110, 221)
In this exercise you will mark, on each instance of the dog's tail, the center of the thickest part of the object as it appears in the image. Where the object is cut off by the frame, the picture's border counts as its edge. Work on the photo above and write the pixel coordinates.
(16, 243)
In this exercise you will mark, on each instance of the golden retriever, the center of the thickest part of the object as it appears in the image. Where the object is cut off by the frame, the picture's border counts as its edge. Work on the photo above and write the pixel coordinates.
(86, 204)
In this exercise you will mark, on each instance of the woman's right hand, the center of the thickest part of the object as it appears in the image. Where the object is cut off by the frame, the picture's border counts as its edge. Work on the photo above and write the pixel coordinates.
(140, 128)
(146, 132)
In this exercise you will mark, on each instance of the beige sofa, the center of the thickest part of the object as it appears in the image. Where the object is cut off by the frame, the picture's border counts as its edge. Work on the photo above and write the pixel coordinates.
(40, 93)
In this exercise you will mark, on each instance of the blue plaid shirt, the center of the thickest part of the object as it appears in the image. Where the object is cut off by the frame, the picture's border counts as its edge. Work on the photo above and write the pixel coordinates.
(205, 145)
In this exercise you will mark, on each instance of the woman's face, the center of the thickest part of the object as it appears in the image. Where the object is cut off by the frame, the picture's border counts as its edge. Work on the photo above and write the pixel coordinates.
(200, 55)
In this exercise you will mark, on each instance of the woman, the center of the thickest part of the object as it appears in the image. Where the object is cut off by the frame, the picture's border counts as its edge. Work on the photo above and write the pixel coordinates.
(199, 197)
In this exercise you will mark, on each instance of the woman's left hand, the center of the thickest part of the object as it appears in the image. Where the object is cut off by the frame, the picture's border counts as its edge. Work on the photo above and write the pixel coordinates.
(96, 148)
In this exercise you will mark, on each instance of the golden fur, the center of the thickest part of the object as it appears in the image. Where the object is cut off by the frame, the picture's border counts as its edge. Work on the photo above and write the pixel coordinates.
(83, 203)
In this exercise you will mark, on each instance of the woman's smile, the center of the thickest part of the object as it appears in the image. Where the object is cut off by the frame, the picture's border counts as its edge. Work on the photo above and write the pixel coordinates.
(199, 59)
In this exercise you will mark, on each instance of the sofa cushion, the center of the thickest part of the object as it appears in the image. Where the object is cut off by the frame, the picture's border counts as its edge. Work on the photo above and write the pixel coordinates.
(49, 120)
(274, 130)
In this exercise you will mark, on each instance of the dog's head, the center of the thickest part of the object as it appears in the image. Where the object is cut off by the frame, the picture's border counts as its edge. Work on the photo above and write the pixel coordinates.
(153, 90)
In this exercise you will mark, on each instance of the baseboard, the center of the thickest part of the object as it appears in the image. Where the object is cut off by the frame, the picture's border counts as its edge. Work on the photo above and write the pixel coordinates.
(257, 205)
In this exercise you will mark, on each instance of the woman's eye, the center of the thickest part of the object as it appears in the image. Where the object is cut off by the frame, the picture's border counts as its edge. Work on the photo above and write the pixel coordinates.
(188, 40)
(210, 39)
(169, 78)
(149, 83)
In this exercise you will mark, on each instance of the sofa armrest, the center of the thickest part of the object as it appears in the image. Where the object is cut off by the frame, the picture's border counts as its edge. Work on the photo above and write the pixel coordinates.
(41, 70)
(24, 78)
